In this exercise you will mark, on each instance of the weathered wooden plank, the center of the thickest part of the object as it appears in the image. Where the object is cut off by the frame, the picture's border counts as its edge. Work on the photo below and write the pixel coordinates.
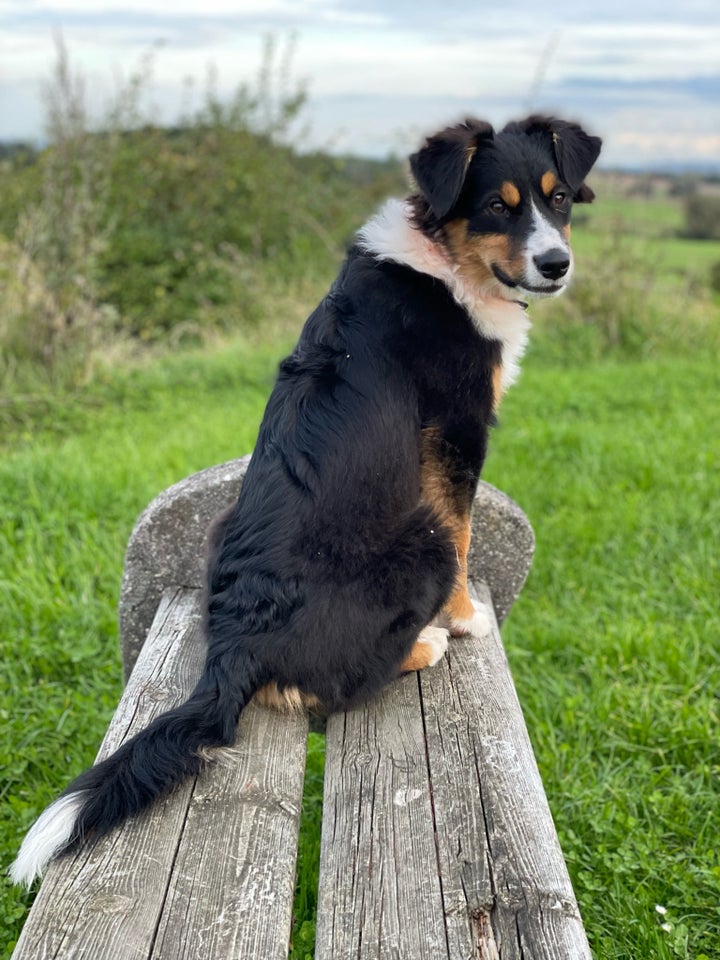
(110, 900)
(437, 838)
(105, 901)
(506, 888)
(233, 882)
(379, 894)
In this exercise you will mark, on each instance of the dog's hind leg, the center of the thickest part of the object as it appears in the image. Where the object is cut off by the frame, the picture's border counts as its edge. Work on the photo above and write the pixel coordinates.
(428, 650)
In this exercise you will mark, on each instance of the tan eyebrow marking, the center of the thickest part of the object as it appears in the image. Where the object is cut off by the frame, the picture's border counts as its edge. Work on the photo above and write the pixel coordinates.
(510, 194)
(548, 182)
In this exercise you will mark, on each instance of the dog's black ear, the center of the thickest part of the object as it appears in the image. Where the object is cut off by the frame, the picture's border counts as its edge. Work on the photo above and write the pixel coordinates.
(575, 152)
(439, 167)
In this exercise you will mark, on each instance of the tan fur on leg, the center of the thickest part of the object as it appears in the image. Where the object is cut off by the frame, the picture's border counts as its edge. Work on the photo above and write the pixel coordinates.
(455, 517)
(429, 647)
(289, 700)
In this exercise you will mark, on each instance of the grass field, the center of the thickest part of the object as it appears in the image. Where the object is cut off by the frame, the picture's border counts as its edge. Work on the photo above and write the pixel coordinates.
(650, 232)
(614, 644)
(672, 259)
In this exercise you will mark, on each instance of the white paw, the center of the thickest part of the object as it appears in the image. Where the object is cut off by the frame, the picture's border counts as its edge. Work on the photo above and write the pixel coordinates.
(479, 625)
(437, 639)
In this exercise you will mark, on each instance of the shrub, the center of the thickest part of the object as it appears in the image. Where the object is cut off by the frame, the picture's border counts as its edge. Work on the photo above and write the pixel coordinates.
(135, 230)
(702, 216)
(53, 317)
(715, 276)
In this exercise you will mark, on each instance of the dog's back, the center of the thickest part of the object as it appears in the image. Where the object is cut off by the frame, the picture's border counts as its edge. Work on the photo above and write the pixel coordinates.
(332, 551)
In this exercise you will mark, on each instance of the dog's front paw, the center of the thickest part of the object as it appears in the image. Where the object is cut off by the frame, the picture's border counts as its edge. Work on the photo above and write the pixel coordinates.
(479, 625)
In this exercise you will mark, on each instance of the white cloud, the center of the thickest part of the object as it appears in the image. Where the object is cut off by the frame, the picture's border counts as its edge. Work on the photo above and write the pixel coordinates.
(378, 70)
(171, 9)
(643, 50)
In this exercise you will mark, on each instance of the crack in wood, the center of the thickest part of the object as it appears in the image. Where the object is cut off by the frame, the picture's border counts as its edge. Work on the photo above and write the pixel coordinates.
(486, 943)
(438, 859)
(166, 895)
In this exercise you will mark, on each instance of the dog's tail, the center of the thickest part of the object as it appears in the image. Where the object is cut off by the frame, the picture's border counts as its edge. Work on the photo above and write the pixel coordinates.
(157, 758)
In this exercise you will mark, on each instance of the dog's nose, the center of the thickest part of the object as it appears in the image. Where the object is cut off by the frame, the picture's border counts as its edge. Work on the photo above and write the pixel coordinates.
(553, 264)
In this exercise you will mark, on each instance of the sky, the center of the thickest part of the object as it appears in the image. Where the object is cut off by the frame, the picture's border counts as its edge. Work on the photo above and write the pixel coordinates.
(380, 74)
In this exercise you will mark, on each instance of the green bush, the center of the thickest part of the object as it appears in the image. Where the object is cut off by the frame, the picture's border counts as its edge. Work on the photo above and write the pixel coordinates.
(53, 315)
(715, 276)
(135, 230)
(702, 216)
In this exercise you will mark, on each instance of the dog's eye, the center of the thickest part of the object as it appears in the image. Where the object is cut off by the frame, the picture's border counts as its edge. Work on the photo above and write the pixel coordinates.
(497, 206)
(559, 198)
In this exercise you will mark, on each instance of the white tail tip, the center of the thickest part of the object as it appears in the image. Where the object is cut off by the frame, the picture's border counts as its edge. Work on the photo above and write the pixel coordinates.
(46, 838)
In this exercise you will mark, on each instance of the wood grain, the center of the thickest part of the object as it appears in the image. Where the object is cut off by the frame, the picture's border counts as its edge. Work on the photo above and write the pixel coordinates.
(233, 881)
(437, 837)
(380, 895)
(505, 884)
(117, 898)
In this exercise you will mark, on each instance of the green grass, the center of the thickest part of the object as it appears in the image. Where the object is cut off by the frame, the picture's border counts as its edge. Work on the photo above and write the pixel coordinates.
(668, 260)
(308, 866)
(646, 231)
(72, 482)
(614, 644)
(660, 216)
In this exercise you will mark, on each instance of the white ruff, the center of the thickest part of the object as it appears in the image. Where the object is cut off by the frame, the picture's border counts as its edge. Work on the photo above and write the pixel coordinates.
(46, 838)
(390, 235)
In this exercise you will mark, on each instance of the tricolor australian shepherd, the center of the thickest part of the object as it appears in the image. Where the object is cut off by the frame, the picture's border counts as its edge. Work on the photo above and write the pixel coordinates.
(343, 562)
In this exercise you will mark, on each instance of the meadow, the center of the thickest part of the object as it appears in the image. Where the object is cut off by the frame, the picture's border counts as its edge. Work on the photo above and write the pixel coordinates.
(609, 442)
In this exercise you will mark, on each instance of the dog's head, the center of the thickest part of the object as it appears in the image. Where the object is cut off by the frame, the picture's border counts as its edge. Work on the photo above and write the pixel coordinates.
(500, 202)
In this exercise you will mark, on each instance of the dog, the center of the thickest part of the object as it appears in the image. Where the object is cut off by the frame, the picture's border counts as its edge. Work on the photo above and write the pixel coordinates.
(343, 563)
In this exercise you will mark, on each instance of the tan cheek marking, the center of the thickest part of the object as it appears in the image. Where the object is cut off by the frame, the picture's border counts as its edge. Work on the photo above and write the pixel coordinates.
(475, 255)
(566, 231)
(456, 235)
(548, 182)
(483, 251)
(510, 194)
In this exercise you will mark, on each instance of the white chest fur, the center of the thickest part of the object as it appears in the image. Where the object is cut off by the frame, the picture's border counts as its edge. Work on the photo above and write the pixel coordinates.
(390, 235)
